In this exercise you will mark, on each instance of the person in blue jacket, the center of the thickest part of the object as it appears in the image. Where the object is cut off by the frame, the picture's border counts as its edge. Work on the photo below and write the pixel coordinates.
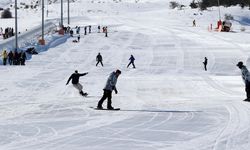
(246, 78)
(109, 87)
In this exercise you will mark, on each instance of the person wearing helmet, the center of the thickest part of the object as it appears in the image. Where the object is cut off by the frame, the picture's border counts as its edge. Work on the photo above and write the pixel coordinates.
(246, 78)
(109, 87)
(75, 81)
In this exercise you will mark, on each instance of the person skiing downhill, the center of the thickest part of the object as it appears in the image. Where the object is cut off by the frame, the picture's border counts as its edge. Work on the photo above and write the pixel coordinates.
(132, 59)
(205, 63)
(246, 78)
(99, 59)
(109, 87)
(75, 81)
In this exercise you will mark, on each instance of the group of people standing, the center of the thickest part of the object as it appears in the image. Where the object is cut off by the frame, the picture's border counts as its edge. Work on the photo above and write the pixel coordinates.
(7, 32)
(14, 58)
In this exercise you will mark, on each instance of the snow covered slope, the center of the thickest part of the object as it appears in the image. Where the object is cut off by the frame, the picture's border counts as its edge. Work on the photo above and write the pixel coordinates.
(167, 103)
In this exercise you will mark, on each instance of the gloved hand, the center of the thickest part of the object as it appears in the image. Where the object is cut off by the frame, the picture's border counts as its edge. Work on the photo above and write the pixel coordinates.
(116, 91)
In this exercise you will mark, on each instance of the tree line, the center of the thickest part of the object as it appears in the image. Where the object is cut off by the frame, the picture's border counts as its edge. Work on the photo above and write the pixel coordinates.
(203, 4)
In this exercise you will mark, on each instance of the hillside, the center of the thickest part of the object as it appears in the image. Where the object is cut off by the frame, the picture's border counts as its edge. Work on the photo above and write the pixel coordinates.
(167, 102)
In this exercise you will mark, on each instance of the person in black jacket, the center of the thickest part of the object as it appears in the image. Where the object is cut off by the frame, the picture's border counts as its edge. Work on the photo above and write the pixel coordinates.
(132, 60)
(10, 56)
(205, 63)
(75, 81)
(99, 59)
(22, 58)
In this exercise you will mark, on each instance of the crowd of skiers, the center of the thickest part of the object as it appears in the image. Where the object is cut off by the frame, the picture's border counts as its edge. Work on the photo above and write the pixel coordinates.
(13, 58)
(87, 30)
(7, 32)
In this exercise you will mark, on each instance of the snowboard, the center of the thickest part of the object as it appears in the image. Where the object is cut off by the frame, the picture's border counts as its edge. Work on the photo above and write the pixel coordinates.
(115, 109)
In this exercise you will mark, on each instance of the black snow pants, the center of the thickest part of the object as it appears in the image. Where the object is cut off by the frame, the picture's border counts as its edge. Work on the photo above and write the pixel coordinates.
(247, 89)
(106, 94)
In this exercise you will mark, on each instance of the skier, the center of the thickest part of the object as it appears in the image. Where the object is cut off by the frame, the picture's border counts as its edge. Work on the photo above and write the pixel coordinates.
(99, 59)
(99, 28)
(78, 29)
(78, 38)
(109, 87)
(89, 28)
(85, 30)
(246, 79)
(205, 64)
(71, 32)
(132, 59)
(194, 23)
(106, 31)
(75, 81)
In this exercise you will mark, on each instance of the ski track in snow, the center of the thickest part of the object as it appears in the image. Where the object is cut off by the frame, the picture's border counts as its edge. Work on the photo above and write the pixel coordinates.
(167, 102)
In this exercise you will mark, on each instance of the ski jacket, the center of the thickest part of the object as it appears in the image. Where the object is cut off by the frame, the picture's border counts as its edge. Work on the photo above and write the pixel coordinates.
(5, 54)
(132, 59)
(245, 75)
(111, 82)
(99, 57)
(75, 77)
(10, 55)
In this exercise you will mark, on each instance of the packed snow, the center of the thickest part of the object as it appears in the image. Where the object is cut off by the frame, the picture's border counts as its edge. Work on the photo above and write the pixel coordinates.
(167, 103)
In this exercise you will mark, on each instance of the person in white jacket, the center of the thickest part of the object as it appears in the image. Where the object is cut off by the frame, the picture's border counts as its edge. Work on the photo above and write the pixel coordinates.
(109, 87)
(246, 78)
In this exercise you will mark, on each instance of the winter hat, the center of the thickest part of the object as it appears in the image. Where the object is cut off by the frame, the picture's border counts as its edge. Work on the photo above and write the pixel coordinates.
(118, 71)
(240, 63)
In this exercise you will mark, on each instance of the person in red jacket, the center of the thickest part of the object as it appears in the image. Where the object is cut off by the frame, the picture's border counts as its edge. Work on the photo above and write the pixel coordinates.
(75, 81)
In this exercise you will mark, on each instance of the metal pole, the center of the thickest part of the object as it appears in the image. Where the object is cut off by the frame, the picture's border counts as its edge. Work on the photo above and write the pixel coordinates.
(47, 12)
(68, 12)
(16, 32)
(219, 9)
(42, 19)
(61, 13)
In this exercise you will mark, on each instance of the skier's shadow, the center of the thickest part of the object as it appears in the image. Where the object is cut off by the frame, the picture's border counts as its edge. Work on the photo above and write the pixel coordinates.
(159, 111)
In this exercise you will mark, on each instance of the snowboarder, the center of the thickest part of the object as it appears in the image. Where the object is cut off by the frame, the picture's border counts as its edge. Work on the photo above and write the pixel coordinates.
(99, 59)
(109, 87)
(205, 63)
(246, 79)
(75, 81)
(132, 59)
